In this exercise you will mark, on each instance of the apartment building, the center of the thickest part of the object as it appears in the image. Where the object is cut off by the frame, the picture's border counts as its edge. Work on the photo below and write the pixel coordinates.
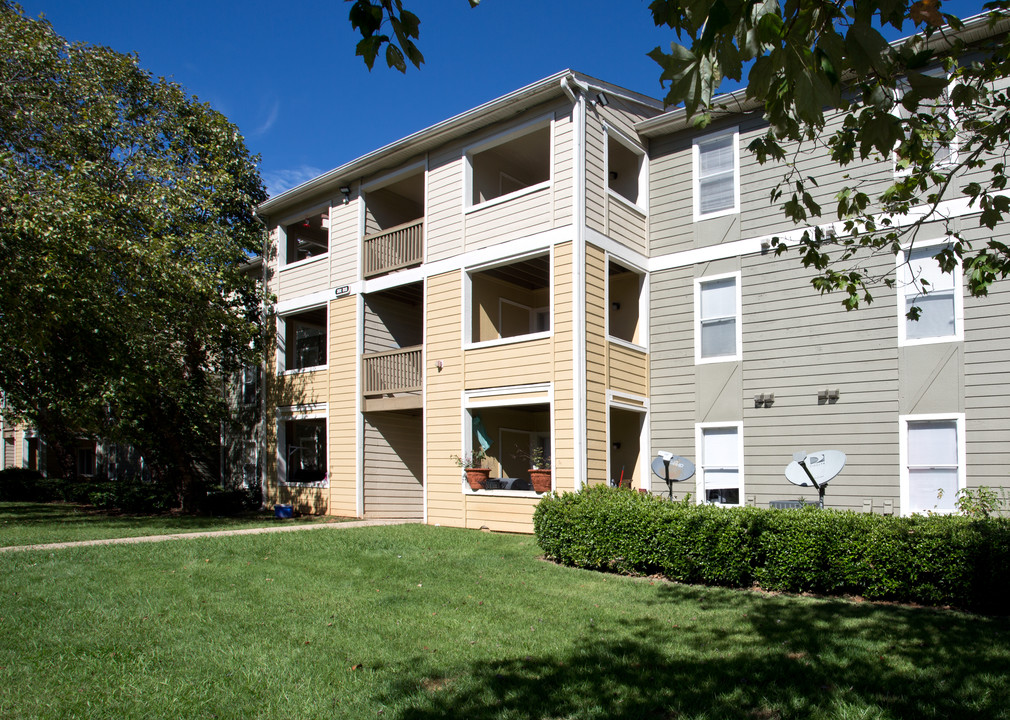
(571, 269)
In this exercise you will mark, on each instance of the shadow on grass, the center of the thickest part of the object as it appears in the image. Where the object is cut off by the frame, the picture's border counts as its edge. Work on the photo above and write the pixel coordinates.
(32, 523)
(783, 658)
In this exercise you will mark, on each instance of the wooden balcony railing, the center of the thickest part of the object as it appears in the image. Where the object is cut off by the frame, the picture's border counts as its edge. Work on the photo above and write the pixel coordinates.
(392, 371)
(395, 248)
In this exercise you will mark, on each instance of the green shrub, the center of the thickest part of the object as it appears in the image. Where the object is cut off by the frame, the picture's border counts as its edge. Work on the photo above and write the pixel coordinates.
(221, 502)
(933, 560)
(20, 485)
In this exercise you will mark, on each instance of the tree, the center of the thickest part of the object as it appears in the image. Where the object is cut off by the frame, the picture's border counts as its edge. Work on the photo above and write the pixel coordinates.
(805, 62)
(126, 213)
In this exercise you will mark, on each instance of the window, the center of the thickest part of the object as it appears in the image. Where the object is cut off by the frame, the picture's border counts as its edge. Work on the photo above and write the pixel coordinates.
(717, 318)
(937, 295)
(307, 237)
(511, 300)
(625, 291)
(304, 447)
(86, 462)
(250, 384)
(940, 121)
(520, 161)
(626, 167)
(720, 455)
(304, 339)
(932, 449)
(716, 175)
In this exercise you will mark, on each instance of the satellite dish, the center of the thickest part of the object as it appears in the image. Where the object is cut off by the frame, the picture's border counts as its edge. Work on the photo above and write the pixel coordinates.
(815, 469)
(672, 468)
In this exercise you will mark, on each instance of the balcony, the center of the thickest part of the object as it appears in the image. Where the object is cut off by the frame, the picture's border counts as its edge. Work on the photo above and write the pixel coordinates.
(391, 380)
(393, 249)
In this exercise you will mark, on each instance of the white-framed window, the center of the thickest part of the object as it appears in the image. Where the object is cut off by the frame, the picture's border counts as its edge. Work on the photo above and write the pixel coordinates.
(719, 449)
(305, 238)
(717, 332)
(944, 152)
(717, 174)
(302, 448)
(937, 294)
(511, 163)
(302, 340)
(932, 462)
(627, 169)
(509, 301)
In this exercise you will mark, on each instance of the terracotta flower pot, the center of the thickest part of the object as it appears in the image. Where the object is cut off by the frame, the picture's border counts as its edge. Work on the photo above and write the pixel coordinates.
(540, 479)
(477, 477)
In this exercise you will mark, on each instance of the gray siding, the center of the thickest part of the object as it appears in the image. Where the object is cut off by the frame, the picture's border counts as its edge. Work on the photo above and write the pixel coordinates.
(393, 465)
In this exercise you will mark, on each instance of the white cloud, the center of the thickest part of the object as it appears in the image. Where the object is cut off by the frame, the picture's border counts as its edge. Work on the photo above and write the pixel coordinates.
(272, 113)
(277, 181)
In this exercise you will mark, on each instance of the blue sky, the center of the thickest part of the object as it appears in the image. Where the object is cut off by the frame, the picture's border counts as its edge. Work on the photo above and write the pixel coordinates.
(286, 73)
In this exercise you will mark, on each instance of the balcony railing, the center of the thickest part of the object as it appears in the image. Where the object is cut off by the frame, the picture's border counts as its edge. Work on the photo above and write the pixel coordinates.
(395, 248)
(392, 371)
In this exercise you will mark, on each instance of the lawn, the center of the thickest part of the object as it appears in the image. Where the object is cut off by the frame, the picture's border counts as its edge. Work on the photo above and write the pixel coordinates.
(24, 523)
(418, 623)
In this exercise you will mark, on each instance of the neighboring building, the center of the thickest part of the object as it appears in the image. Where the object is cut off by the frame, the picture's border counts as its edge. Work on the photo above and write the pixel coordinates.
(242, 431)
(570, 268)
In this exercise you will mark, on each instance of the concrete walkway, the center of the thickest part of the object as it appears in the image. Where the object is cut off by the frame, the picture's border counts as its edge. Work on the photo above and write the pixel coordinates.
(210, 533)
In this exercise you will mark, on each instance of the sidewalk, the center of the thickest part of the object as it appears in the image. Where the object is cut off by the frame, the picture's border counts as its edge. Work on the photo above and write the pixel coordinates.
(209, 533)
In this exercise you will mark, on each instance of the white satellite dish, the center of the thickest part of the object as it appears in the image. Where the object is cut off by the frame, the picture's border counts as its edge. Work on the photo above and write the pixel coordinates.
(816, 468)
(672, 468)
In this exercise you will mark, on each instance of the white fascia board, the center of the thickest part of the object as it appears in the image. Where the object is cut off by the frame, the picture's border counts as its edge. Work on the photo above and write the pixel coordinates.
(316, 299)
(947, 210)
(621, 253)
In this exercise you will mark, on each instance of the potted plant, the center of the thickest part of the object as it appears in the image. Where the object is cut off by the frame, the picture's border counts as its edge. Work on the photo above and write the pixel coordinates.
(540, 468)
(476, 475)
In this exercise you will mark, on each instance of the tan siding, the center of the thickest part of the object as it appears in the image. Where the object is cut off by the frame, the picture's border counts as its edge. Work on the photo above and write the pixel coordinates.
(564, 395)
(564, 169)
(303, 278)
(499, 513)
(509, 220)
(628, 370)
(344, 242)
(343, 407)
(596, 366)
(443, 409)
(519, 363)
(444, 214)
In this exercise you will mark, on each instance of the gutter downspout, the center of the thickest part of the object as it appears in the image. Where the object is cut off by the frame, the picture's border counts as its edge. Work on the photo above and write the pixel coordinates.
(579, 459)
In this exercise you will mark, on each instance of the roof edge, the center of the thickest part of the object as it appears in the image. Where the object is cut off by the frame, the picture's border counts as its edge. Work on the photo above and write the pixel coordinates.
(975, 28)
(526, 96)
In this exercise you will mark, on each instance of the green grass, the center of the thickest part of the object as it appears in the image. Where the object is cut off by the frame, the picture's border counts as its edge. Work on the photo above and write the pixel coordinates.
(23, 523)
(415, 622)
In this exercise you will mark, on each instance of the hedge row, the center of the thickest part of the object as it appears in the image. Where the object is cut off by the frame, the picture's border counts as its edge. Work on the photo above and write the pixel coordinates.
(134, 496)
(932, 560)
